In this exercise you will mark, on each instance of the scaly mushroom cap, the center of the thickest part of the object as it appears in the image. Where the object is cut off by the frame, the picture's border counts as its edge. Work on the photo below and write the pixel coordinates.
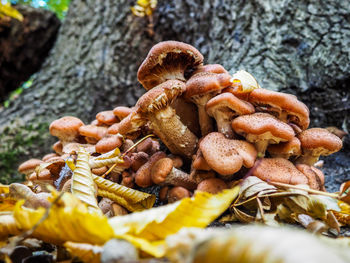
(262, 129)
(177, 193)
(96, 132)
(66, 128)
(224, 108)
(130, 124)
(29, 166)
(161, 169)
(122, 112)
(212, 185)
(279, 170)
(314, 176)
(220, 155)
(160, 97)
(168, 60)
(108, 143)
(285, 106)
(106, 117)
(199, 163)
(214, 68)
(285, 149)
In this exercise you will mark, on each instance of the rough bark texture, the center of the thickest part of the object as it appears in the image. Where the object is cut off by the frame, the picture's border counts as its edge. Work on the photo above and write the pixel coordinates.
(299, 46)
(25, 45)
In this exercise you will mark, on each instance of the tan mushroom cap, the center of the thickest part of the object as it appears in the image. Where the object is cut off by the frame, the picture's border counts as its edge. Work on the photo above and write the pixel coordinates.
(224, 108)
(168, 60)
(199, 163)
(138, 159)
(287, 107)
(279, 170)
(161, 169)
(262, 129)
(315, 176)
(236, 90)
(66, 128)
(177, 193)
(106, 117)
(285, 149)
(212, 185)
(48, 156)
(214, 68)
(108, 143)
(130, 124)
(221, 156)
(96, 132)
(121, 112)
(57, 147)
(29, 166)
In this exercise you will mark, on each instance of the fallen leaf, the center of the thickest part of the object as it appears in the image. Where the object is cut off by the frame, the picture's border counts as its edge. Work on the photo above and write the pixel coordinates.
(8, 225)
(86, 252)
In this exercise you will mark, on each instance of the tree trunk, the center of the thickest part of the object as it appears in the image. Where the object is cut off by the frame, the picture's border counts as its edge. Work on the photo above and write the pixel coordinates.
(296, 45)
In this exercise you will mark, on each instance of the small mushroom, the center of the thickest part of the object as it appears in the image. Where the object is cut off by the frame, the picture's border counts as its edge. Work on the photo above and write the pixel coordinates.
(163, 193)
(108, 143)
(29, 166)
(99, 170)
(316, 142)
(148, 146)
(48, 156)
(315, 176)
(106, 117)
(224, 108)
(212, 185)
(66, 128)
(93, 133)
(164, 173)
(177, 193)
(155, 106)
(143, 176)
(129, 125)
(121, 112)
(57, 147)
(285, 107)
(138, 159)
(278, 170)
(200, 88)
(213, 68)
(199, 163)
(168, 60)
(128, 179)
(285, 149)
(262, 129)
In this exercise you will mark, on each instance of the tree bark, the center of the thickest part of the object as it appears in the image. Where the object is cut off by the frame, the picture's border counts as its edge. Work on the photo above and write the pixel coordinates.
(25, 45)
(290, 45)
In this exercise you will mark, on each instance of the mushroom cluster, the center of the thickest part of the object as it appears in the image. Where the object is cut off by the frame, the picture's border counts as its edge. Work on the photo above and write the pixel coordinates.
(210, 128)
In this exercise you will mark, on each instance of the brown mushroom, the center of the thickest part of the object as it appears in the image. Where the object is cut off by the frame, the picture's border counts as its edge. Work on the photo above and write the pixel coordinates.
(48, 156)
(226, 156)
(155, 106)
(224, 108)
(129, 125)
(285, 149)
(285, 107)
(138, 159)
(148, 146)
(316, 142)
(143, 176)
(108, 143)
(29, 166)
(315, 176)
(66, 128)
(213, 68)
(212, 185)
(121, 112)
(164, 173)
(278, 170)
(106, 117)
(128, 179)
(163, 193)
(262, 129)
(177, 193)
(95, 133)
(200, 88)
(199, 163)
(168, 60)
(58, 147)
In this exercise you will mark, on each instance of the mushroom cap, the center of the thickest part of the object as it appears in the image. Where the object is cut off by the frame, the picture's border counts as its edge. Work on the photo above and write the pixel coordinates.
(260, 124)
(57, 147)
(108, 143)
(320, 141)
(177, 193)
(227, 102)
(96, 132)
(106, 117)
(167, 60)
(212, 185)
(143, 175)
(279, 170)
(48, 156)
(236, 89)
(66, 128)
(29, 166)
(297, 112)
(291, 147)
(315, 176)
(199, 163)
(206, 82)
(138, 159)
(121, 112)
(161, 169)
(130, 124)
(214, 68)
(161, 96)
(221, 156)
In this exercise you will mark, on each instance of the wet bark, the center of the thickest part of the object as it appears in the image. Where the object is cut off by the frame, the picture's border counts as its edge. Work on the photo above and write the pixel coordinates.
(25, 45)
(297, 46)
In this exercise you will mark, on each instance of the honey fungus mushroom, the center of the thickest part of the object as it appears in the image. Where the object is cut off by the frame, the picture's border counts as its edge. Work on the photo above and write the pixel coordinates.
(286, 107)
(316, 142)
(262, 129)
(168, 60)
(285, 149)
(155, 107)
(66, 129)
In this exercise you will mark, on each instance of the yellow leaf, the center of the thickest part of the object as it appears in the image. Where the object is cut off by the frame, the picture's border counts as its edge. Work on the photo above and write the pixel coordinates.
(148, 229)
(4, 189)
(85, 252)
(131, 199)
(7, 204)
(83, 185)
(69, 220)
(247, 81)
(7, 10)
(8, 225)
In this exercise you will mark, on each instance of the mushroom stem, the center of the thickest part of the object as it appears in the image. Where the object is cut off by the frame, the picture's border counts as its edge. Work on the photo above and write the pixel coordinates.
(261, 147)
(173, 133)
(205, 121)
(224, 123)
(307, 159)
(179, 178)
